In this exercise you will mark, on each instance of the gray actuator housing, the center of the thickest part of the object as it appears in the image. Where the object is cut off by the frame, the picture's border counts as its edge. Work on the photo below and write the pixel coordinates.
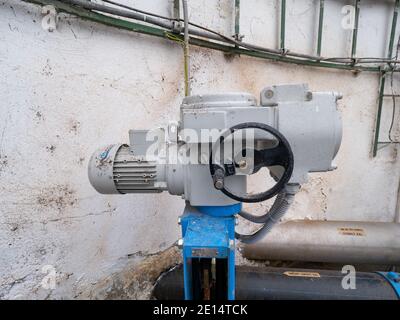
(161, 159)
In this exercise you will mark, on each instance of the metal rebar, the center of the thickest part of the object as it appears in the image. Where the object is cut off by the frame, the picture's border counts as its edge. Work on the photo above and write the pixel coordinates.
(355, 28)
(382, 94)
(186, 47)
(320, 26)
(237, 19)
(379, 113)
(205, 33)
(270, 54)
(393, 29)
(283, 25)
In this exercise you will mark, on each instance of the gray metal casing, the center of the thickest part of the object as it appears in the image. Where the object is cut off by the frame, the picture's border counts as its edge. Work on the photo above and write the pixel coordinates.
(309, 120)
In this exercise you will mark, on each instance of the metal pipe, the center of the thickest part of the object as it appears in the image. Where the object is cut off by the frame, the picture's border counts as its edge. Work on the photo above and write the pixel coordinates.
(237, 20)
(320, 26)
(283, 25)
(382, 84)
(115, 11)
(211, 34)
(177, 11)
(145, 29)
(329, 241)
(186, 47)
(397, 209)
(254, 283)
(393, 28)
(379, 112)
(355, 28)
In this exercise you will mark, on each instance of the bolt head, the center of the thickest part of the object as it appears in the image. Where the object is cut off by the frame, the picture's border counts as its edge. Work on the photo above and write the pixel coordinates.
(219, 184)
(242, 164)
(269, 94)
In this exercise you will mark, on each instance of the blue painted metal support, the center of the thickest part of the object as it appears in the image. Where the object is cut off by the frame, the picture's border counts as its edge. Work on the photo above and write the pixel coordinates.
(394, 279)
(209, 232)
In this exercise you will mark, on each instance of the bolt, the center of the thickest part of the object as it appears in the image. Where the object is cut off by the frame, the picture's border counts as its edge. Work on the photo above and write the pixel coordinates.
(309, 96)
(269, 94)
(180, 243)
(219, 184)
(236, 221)
(242, 164)
(179, 221)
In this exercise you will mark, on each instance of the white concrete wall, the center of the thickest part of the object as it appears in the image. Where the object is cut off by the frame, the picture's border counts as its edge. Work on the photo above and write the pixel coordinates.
(64, 93)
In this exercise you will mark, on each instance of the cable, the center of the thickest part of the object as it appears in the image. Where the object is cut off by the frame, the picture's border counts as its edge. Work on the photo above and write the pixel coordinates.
(221, 37)
(263, 218)
(138, 10)
(209, 34)
(118, 12)
(278, 210)
(274, 215)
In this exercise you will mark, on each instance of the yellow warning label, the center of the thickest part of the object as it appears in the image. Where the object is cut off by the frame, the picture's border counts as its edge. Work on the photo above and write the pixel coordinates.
(302, 274)
(352, 231)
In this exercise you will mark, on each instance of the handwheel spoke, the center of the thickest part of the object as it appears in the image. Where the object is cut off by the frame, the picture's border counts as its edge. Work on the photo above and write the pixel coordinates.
(275, 156)
(252, 161)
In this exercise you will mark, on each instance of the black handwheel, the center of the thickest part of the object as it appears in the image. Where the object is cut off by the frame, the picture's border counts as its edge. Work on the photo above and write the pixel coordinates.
(279, 155)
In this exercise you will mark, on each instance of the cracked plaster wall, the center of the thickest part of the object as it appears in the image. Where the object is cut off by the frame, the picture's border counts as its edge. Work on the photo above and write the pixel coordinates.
(64, 93)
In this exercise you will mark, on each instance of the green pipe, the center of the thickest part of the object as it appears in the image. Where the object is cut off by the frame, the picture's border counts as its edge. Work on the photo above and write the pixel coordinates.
(393, 29)
(283, 24)
(383, 80)
(320, 26)
(97, 17)
(237, 19)
(158, 32)
(379, 114)
(355, 28)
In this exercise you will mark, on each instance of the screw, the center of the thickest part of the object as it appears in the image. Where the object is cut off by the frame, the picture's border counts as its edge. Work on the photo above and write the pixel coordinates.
(269, 94)
(309, 96)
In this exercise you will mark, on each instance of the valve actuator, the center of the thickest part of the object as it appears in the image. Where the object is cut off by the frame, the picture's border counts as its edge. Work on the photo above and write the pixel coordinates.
(221, 139)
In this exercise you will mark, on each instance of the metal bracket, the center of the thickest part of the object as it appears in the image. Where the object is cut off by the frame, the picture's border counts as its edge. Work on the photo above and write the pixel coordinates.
(208, 248)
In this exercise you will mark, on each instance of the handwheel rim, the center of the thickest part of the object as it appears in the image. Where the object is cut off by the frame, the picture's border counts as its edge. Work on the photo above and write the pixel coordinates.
(284, 179)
